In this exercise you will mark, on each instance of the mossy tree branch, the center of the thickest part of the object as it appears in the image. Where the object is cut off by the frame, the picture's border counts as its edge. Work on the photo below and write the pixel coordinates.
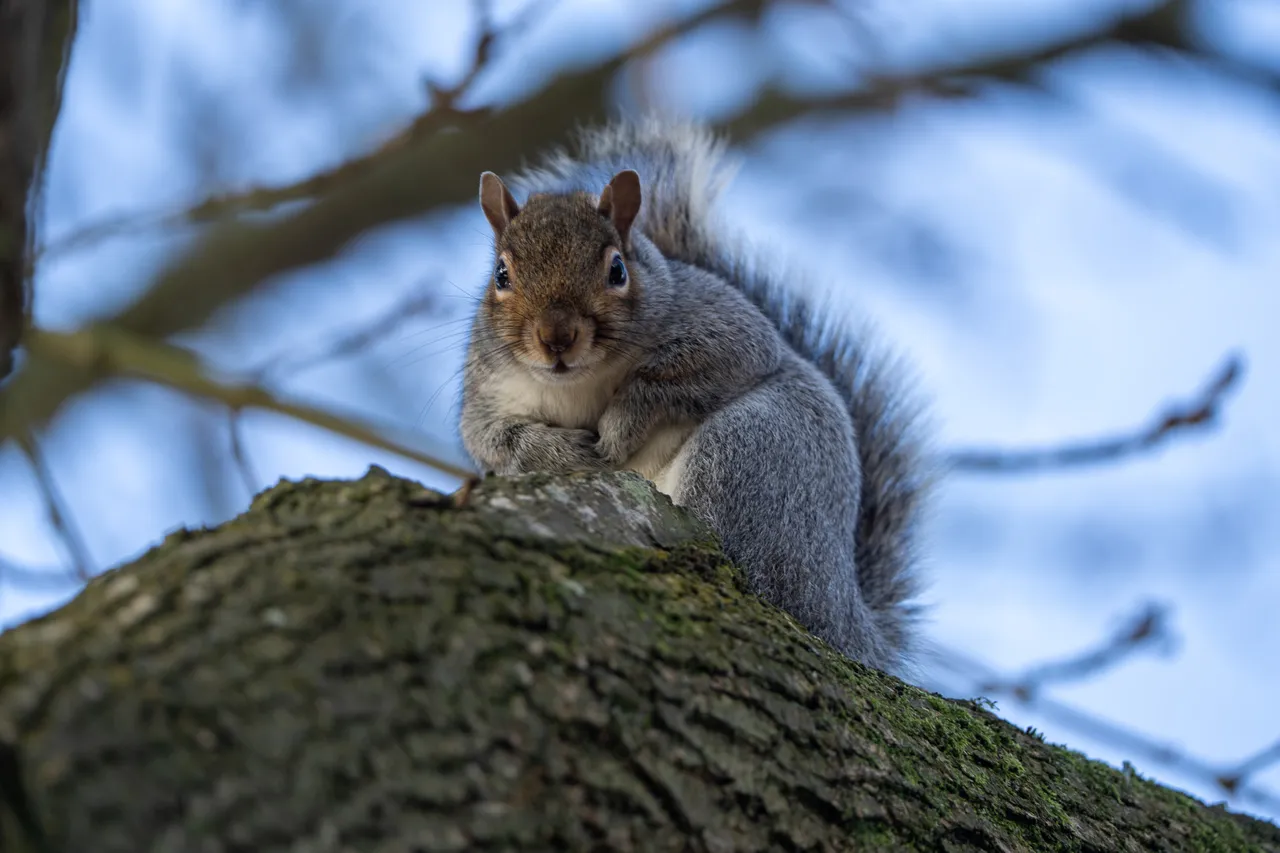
(563, 664)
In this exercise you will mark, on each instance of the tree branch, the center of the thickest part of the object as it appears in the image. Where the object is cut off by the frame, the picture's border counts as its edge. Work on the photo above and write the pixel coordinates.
(1199, 413)
(585, 672)
(59, 516)
(35, 43)
(104, 351)
(980, 677)
(1167, 26)
(235, 431)
(19, 576)
(1232, 780)
(291, 363)
(1148, 627)
(401, 182)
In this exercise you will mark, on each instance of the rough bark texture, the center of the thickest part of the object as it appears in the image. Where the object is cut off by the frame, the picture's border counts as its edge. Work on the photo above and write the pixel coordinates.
(35, 36)
(563, 664)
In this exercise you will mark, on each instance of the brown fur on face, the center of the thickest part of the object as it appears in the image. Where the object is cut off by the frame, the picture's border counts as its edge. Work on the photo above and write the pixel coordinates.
(559, 312)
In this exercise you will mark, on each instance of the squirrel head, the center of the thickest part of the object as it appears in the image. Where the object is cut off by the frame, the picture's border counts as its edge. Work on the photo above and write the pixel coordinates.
(562, 295)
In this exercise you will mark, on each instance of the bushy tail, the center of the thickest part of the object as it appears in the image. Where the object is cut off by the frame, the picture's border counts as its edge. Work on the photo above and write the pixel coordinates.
(683, 169)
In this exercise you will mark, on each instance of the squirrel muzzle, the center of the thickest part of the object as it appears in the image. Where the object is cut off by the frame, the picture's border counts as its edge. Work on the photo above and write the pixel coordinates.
(562, 336)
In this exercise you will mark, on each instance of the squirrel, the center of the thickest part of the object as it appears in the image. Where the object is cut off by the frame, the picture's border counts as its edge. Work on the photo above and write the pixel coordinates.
(621, 330)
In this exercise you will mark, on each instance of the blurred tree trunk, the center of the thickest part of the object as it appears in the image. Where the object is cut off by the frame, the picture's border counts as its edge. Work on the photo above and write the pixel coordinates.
(35, 45)
(563, 664)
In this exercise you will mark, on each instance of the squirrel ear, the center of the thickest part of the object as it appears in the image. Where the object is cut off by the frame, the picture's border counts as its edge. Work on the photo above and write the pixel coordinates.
(496, 202)
(620, 202)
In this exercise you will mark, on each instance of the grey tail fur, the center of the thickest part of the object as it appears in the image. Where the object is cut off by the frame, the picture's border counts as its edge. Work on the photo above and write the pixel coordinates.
(683, 169)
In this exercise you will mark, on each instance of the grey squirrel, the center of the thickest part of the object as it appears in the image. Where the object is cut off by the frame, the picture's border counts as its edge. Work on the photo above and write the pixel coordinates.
(620, 329)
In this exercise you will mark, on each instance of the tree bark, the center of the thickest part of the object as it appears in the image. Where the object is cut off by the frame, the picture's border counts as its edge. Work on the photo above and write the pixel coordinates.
(560, 664)
(35, 42)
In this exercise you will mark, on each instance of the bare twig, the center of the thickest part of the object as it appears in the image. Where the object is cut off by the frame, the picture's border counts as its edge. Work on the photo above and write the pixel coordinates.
(446, 97)
(19, 576)
(1162, 26)
(65, 527)
(238, 257)
(1198, 413)
(1232, 780)
(235, 430)
(1149, 626)
(442, 112)
(1166, 25)
(367, 335)
(104, 351)
(981, 677)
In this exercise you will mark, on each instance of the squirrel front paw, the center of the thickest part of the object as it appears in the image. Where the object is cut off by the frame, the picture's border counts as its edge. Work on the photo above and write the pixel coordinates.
(616, 442)
(559, 450)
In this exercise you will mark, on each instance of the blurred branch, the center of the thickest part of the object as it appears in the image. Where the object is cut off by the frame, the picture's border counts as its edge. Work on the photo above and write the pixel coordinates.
(1201, 412)
(235, 429)
(54, 505)
(426, 168)
(1260, 761)
(103, 351)
(24, 577)
(403, 181)
(981, 677)
(289, 363)
(1149, 626)
(366, 335)
(1166, 25)
(444, 113)
(1144, 748)
(445, 98)
(35, 42)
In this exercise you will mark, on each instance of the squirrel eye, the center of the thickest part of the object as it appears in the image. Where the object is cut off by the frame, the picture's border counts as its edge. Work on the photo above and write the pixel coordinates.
(501, 280)
(617, 272)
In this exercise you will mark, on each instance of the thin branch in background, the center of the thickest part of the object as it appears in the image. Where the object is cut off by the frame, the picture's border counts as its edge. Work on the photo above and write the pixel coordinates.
(1150, 751)
(104, 351)
(368, 334)
(1232, 780)
(442, 112)
(60, 518)
(447, 97)
(14, 574)
(1200, 412)
(1150, 626)
(1164, 26)
(238, 258)
(235, 430)
(975, 676)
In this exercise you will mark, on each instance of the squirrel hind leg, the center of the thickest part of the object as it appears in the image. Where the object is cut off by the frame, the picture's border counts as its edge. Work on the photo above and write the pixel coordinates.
(768, 496)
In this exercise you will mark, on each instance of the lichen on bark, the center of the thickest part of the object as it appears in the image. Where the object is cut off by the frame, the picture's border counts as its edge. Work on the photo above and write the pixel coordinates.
(561, 664)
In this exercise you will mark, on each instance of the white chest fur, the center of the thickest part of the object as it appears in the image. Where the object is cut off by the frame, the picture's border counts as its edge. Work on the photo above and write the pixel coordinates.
(576, 405)
(579, 406)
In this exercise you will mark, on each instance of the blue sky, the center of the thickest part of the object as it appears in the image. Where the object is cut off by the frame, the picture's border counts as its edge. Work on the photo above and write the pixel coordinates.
(1051, 268)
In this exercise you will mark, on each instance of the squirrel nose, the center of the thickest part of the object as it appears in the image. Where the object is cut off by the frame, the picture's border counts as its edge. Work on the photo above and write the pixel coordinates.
(557, 329)
(556, 338)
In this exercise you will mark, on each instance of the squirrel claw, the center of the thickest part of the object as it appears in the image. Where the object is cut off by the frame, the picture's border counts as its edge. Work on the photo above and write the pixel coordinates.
(463, 495)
